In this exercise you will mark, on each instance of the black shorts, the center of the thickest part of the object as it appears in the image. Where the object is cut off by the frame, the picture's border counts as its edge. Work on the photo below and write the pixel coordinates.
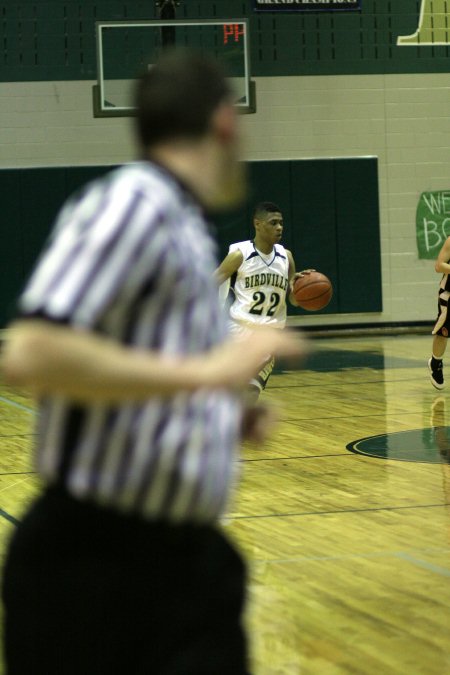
(87, 591)
(442, 325)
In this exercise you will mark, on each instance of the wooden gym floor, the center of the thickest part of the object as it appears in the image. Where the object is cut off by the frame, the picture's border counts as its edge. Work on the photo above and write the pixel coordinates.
(349, 551)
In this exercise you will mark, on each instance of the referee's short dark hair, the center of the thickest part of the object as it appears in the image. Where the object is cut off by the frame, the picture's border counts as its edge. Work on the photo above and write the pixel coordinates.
(177, 96)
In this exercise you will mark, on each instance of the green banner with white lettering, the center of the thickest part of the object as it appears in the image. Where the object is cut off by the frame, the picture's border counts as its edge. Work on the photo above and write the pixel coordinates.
(432, 223)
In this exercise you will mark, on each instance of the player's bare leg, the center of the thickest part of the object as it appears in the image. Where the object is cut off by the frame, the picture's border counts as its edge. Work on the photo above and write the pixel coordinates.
(252, 394)
(435, 364)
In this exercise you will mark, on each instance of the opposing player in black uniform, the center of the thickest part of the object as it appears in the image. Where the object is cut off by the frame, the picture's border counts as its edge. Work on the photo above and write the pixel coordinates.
(442, 325)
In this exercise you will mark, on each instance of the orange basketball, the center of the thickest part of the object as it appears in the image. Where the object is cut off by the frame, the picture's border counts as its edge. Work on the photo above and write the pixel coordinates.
(313, 291)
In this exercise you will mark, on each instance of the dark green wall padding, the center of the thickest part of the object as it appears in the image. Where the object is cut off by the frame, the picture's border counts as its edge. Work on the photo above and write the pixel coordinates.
(330, 208)
(49, 40)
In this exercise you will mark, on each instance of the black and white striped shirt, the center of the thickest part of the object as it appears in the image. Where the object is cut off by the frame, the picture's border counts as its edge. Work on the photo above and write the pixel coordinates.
(132, 259)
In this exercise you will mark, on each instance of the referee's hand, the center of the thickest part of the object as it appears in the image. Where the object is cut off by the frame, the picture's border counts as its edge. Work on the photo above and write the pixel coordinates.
(236, 361)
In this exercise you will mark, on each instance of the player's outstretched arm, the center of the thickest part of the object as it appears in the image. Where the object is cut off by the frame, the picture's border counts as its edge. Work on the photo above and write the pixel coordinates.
(48, 358)
(293, 276)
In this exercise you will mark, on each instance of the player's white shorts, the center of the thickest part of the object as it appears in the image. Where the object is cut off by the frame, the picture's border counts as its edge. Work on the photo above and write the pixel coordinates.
(267, 364)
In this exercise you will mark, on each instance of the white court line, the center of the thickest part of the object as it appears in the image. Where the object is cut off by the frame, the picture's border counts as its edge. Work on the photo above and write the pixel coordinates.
(17, 482)
(353, 556)
(16, 405)
(443, 571)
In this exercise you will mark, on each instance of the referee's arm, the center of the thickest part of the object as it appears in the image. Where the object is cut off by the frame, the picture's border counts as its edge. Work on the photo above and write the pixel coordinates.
(51, 359)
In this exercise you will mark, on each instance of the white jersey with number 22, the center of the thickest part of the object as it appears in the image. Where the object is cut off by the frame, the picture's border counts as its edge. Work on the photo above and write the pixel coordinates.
(260, 286)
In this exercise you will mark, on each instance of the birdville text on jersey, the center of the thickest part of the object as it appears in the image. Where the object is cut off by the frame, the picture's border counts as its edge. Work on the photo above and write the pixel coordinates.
(266, 279)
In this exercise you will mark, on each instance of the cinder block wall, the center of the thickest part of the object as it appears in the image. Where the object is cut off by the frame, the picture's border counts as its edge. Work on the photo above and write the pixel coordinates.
(328, 84)
(402, 119)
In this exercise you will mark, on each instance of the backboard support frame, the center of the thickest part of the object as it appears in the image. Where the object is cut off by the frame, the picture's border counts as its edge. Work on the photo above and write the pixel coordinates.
(98, 91)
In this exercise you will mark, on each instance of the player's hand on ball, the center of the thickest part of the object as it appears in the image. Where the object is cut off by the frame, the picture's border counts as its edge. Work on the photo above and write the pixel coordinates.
(312, 290)
(299, 275)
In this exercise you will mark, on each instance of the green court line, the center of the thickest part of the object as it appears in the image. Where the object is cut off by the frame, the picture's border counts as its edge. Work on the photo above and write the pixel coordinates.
(336, 512)
(285, 458)
(7, 516)
(352, 383)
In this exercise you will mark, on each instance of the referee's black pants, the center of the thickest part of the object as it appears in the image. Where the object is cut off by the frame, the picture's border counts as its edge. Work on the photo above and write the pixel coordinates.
(90, 592)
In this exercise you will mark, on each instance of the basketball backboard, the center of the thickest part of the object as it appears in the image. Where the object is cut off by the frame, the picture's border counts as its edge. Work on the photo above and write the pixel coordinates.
(126, 48)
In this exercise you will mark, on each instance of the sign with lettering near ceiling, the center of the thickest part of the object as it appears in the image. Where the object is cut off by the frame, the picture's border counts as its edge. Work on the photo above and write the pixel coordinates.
(305, 5)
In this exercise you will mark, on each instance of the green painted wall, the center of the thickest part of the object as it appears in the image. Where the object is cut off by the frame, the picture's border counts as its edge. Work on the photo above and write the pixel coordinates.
(31, 199)
(330, 209)
(331, 214)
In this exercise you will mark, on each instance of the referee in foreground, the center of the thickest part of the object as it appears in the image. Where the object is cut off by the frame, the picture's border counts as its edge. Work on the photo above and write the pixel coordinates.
(119, 567)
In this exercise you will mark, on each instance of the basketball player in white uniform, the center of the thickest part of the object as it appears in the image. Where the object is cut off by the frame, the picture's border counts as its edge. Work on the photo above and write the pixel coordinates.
(261, 274)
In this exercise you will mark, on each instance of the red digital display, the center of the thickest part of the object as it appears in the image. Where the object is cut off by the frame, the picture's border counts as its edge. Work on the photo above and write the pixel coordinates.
(232, 32)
